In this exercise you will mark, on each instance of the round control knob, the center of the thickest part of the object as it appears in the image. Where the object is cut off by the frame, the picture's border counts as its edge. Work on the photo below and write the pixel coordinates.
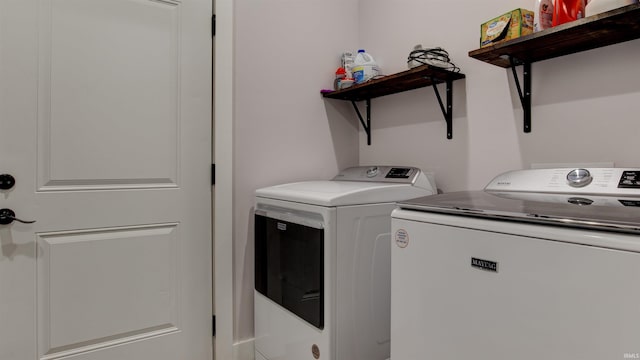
(579, 178)
(372, 171)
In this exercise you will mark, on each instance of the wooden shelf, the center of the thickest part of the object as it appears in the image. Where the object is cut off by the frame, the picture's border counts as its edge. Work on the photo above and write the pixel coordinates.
(415, 78)
(612, 27)
(593, 32)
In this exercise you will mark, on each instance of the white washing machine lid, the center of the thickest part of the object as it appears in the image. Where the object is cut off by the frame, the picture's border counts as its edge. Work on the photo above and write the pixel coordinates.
(361, 185)
(608, 200)
(589, 212)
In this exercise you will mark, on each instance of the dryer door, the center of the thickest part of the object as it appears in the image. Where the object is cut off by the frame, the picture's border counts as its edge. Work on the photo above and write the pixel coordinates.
(289, 262)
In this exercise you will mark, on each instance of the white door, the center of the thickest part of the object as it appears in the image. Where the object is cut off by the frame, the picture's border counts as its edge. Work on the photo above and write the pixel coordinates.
(105, 123)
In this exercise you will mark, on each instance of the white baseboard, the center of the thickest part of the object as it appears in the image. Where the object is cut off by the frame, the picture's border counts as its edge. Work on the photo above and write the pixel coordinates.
(244, 350)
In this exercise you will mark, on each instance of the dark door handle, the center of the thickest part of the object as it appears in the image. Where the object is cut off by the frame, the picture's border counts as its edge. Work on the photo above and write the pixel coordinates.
(7, 216)
(7, 181)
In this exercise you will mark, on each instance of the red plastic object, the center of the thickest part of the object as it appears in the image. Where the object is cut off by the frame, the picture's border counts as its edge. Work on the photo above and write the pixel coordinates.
(565, 11)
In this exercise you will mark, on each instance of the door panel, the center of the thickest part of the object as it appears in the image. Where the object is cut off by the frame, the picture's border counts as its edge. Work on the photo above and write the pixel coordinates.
(87, 299)
(110, 70)
(105, 122)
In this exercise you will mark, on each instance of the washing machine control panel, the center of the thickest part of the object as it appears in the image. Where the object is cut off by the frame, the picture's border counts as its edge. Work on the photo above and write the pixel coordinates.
(595, 181)
(630, 179)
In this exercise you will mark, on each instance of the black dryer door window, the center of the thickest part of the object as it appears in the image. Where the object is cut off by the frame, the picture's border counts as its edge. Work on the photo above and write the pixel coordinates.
(289, 266)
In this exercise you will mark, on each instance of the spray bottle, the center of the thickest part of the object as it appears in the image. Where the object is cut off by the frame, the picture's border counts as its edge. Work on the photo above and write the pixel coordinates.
(543, 17)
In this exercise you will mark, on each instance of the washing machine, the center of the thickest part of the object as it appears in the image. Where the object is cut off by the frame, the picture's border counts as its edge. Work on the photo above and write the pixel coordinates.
(322, 263)
(541, 264)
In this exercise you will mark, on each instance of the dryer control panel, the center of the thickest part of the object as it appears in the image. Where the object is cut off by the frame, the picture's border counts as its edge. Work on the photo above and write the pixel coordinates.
(395, 174)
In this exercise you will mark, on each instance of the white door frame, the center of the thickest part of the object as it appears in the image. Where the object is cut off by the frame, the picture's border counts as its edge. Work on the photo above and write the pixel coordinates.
(223, 144)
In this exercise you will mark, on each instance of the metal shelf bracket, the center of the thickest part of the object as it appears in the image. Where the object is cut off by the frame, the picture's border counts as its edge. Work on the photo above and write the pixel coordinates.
(525, 98)
(367, 125)
(448, 110)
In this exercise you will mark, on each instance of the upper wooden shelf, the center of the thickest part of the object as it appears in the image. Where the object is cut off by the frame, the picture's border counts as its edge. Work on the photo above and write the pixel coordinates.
(415, 78)
(595, 31)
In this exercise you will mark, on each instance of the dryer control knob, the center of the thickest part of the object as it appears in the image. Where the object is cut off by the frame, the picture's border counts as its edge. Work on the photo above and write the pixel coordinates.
(372, 171)
(579, 178)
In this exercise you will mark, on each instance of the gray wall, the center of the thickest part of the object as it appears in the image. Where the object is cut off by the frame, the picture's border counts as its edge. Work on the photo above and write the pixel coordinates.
(285, 52)
(584, 105)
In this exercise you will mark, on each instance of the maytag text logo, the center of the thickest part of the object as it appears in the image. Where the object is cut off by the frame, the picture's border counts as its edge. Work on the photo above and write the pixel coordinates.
(484, 264)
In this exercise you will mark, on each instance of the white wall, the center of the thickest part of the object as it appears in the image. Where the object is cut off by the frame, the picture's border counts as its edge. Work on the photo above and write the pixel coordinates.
(584, 105)
(285, 52)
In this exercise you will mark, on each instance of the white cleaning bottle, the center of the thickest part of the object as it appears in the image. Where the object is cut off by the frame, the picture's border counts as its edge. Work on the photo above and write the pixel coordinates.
(543, 15)
(364, 67)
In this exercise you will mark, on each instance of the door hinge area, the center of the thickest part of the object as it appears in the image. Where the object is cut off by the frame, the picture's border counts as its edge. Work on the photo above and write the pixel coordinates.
(213, 325)
(213, 25)
(213, 174)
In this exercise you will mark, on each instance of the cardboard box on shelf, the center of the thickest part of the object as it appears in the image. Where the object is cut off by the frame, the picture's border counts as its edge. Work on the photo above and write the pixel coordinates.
(511, 25)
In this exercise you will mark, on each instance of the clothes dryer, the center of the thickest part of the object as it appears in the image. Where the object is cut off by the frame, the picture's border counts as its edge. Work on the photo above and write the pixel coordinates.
(322, 264)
